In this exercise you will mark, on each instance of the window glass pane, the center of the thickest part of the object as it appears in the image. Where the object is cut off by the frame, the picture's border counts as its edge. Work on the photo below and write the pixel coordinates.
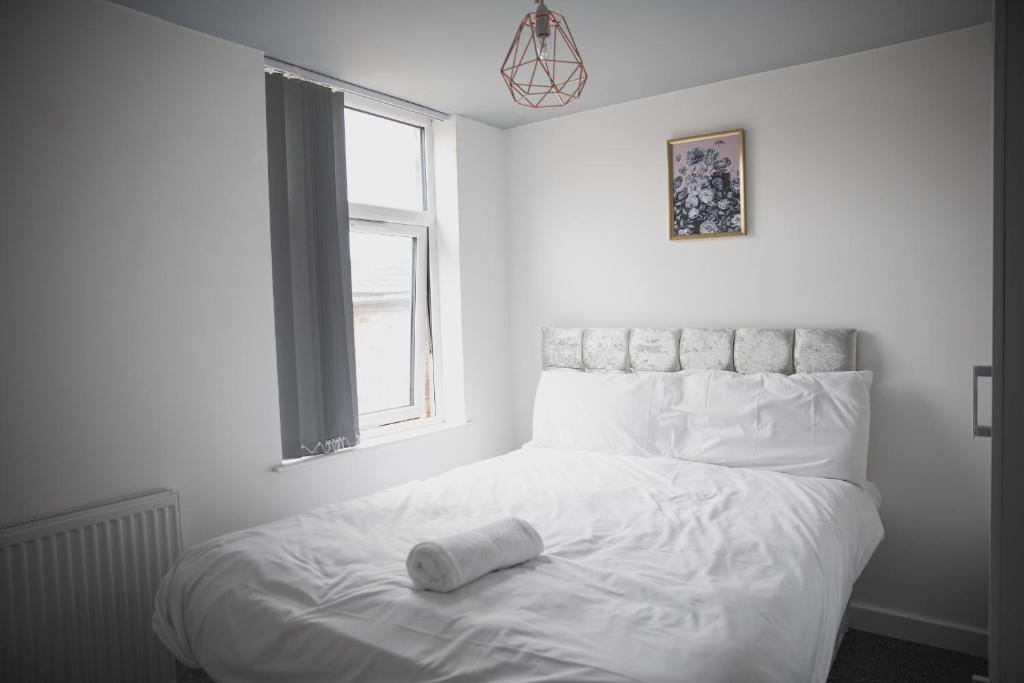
(383, 277)
(385, 161)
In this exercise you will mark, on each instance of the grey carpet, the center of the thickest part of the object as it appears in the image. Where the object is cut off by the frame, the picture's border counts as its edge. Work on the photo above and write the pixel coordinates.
(868, 658)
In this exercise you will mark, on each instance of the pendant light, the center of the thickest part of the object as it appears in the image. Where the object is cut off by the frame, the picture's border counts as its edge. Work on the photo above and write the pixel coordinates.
(543, 67)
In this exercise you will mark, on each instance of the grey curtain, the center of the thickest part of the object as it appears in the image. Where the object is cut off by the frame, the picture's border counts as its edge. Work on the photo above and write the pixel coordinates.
(311, 267)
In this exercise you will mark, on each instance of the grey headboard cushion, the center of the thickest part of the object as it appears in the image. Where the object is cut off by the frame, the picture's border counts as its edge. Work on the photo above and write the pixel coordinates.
(562, 347)
(745, 350)
(654, 349)
(764, 351)
(606, 348)
(820, 350)
(706, 349)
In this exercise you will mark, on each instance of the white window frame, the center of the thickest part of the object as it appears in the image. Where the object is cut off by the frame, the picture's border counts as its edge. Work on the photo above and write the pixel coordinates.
(419, 322)
(422, 226)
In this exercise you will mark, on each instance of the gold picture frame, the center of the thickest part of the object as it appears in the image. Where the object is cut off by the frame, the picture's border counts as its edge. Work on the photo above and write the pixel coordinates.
(706, 186)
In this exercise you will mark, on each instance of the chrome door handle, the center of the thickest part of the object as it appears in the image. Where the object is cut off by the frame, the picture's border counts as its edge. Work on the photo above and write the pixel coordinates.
(980, 371)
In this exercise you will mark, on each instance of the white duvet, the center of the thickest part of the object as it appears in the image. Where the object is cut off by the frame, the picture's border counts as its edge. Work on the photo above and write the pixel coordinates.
(655, 569)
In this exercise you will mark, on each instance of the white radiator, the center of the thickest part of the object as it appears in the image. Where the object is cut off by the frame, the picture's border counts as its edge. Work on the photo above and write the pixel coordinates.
(76, 592)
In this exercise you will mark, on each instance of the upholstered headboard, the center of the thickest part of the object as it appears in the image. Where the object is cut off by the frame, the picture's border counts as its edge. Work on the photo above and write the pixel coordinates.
(745, 350)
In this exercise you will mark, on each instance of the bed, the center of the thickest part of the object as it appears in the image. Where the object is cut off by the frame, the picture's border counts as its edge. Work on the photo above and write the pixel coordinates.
(656, 568)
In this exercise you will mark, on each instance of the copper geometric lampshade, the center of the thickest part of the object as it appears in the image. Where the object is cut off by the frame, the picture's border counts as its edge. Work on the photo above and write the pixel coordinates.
(543, 67)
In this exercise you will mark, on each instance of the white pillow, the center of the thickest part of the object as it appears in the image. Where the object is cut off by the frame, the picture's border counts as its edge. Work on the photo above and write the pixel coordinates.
(592, 411)
(814, 425)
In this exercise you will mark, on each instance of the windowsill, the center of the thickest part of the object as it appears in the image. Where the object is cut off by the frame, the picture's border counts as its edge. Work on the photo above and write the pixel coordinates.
(374, 441)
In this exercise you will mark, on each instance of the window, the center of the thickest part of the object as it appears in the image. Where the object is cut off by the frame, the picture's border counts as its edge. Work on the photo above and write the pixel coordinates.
(385, 161)
(355, 319)
(391, 224)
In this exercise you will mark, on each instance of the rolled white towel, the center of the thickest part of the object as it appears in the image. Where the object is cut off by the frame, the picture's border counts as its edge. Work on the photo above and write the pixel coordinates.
(448, 563)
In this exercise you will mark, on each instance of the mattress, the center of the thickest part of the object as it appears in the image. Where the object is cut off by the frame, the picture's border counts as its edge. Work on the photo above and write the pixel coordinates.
(655, 570)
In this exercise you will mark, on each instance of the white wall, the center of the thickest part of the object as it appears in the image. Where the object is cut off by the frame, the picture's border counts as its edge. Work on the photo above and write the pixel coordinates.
(480, 165)
(135, 283)
(869, 203)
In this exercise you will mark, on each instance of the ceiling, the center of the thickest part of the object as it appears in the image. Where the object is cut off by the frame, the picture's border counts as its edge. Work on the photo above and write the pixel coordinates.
(445, 54)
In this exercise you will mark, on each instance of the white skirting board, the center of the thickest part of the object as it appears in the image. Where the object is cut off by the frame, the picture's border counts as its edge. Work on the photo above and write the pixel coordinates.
(937, 633)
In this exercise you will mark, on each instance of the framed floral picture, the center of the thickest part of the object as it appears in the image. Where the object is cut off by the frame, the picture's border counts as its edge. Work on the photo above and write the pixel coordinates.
(706, 186)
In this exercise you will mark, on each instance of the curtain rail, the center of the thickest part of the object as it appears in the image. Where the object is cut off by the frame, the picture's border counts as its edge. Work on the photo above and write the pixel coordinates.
(319, 78)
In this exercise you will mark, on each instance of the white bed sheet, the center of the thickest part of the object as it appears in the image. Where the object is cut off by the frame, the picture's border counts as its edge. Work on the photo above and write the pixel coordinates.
(655, 570)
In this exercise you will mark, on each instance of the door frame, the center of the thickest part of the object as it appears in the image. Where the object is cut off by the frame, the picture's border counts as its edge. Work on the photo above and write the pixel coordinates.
(1006, 588)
